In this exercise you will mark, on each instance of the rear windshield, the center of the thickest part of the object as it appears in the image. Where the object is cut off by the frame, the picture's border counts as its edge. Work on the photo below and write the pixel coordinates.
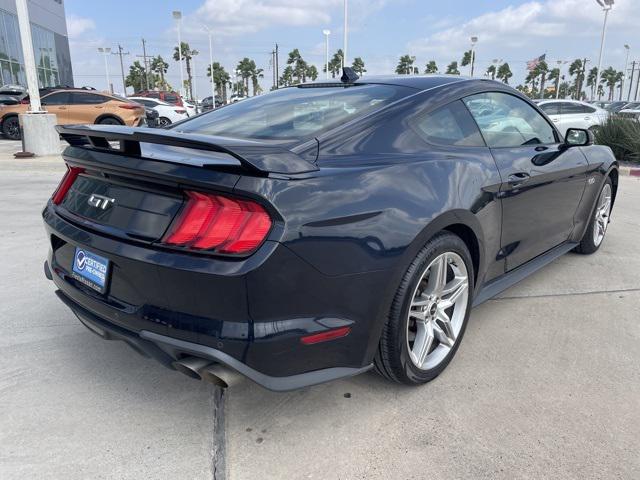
(294, 113)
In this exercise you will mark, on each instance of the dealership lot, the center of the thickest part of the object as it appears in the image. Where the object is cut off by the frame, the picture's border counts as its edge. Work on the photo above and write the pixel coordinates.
(546, 383)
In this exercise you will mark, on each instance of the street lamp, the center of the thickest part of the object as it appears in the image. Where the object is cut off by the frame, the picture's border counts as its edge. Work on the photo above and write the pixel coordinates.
(474, 40)
(106, 51)
(326, 34)
(177, 15)
(346, 26)
(606, 6)
(213, 88)
(624, 78)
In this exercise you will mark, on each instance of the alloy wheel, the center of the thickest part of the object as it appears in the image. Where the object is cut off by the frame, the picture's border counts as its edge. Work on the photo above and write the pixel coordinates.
(437, 310)
(603, 210)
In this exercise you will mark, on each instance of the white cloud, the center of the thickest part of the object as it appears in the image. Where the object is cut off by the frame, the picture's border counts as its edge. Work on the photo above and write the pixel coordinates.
(76, 25)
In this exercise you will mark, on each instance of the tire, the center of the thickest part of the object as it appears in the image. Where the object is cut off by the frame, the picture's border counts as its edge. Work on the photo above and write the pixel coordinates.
(11, 128)
(397, 354)
(163, 122)
(597, 228)
(110, 121)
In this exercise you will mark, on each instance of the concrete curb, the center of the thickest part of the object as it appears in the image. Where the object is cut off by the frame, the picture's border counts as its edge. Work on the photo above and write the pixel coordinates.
(630, 171)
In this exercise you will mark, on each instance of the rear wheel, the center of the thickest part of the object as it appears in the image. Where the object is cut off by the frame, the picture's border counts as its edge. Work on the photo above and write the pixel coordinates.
(429, 313)
(110, 121)
(164, 121)
(11, 128)
(597, 228)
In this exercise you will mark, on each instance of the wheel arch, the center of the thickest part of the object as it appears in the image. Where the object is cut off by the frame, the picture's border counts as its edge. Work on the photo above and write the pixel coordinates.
(614, 175)
(108, 115)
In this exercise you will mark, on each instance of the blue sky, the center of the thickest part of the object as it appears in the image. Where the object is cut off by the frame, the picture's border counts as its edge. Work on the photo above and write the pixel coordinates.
(380, 31)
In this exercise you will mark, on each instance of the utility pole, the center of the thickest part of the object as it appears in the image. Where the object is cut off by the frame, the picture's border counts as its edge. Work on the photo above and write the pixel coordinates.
(120, 53)
(277, 69)
(635, 98)
(273, 69)
(633, 71)
(345, 30)
(146, 70)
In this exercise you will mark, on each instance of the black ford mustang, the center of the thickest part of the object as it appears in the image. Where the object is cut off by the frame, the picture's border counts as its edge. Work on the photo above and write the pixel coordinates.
(321, 230)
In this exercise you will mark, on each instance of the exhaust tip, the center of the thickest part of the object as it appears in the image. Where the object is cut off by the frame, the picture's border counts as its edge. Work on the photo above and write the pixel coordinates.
(191, 366)
(211, 377)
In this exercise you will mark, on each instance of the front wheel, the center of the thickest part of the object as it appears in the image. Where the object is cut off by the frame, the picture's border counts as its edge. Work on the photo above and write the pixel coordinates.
(110, 121)
(594, 235)
(429, 313)
(11, 128)
(164, 121)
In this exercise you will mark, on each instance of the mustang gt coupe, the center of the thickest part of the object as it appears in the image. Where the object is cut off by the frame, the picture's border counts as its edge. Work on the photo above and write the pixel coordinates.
(320, 230)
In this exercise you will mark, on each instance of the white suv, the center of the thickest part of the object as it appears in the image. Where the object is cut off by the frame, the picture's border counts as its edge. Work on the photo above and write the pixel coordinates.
(573, 114)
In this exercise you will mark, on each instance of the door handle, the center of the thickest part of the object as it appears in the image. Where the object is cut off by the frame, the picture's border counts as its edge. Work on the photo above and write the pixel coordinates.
(587, 118)
(518, 178)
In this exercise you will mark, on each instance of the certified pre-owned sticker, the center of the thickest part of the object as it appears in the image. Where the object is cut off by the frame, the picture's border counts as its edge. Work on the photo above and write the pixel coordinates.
(90, 269)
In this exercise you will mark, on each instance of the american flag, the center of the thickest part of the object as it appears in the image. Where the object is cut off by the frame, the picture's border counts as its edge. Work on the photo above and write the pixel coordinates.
(532, 64)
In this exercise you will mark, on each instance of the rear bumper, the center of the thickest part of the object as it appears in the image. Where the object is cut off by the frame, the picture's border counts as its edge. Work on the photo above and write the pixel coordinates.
(166, 349)
(247, 314)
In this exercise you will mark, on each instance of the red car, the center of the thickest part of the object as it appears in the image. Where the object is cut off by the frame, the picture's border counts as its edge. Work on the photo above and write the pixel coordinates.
(173, 98)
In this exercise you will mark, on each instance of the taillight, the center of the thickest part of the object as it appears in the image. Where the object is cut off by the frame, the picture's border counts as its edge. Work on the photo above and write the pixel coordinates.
(325, 336)
(180, 110)
(65, 184)
(220, 224)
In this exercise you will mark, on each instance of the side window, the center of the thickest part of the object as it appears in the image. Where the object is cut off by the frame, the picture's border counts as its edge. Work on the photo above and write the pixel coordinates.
(589, 109)
(569, 108)
(170, 97)
(507, 121)
(450, 125)
(87, 99)
(61, 98)
(550, 108)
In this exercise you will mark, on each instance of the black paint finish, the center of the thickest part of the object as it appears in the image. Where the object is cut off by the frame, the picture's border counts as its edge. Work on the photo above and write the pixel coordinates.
(351, 209)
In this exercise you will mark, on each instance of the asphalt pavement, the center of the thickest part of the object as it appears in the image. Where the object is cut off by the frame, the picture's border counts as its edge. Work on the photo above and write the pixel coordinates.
(546, 383)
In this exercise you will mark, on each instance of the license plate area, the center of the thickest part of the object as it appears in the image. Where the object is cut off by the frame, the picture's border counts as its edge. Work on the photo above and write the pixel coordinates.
(90, 269)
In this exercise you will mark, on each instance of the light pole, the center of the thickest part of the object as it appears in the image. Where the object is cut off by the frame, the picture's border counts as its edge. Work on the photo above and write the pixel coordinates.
(213, 86)
(177, 15)
(326, 51)
(474, 40)
(624, 78)
(606, 6)
(346, 26)
(106, 51)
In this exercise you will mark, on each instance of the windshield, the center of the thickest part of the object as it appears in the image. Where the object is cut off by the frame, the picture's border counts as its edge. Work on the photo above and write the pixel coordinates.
(294, 112)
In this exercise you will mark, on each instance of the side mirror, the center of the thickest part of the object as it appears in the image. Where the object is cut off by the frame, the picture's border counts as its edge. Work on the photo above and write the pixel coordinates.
(578, 137)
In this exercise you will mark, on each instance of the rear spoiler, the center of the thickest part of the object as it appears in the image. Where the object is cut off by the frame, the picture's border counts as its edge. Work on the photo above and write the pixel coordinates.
(258, 157)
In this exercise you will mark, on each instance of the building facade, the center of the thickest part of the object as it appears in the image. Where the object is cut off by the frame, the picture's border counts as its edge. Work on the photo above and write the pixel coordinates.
(50, 44)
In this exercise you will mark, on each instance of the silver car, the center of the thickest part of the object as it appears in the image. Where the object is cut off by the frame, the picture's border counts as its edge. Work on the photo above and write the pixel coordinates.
(573, 114)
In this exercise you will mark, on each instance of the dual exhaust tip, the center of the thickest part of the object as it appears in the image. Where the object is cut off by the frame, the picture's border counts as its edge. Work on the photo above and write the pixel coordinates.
(206, 370)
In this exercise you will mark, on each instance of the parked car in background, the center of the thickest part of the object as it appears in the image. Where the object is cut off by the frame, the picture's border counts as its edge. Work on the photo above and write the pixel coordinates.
(615, 107)
(76, 106)
(9, 100)
(600, 103)
(573, 114)
(151, 117)
(236, 98)
(207, 103)
(190, 108)
(321, 230)
(173, 98)
(631, 110)
(630, 106)
(167, 113)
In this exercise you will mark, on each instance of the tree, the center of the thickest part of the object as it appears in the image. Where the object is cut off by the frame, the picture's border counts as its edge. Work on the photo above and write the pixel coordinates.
(358, 66)
(576, 69)
(245, 69)
(541, 70)
(405, 65)
(187, 55)
(491, 72)
(452, 69)
(532, 78)
(312, 72)
(611, 77)
(554, 76)
(591, 80)
(504, 73)
(432, 67)
(335, 64)
(136, 77)
(220, 79)
(159, 67)
(466, 58)
(287, 76)
(300, 68)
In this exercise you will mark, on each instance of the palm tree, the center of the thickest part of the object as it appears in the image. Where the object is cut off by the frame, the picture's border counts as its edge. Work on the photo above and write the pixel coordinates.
(491, 72)
(452, 69)
(245, 69)
(576, 69)
(554, 76)
(187, 55)
(159, 67)
(466, 59)
(299, 66)
(541, 70)
(432, 67)
(220, 79)
(136, 77)
(256, 74)
(405, 65)
(591, 80)
(532, 78)
(287, 76)
(312, 72)
(335, 64)
(504, 73)
(610, 77)
(358, 66)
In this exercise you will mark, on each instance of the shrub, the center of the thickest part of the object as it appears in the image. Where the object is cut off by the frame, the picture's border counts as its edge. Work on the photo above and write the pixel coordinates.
(622, 135)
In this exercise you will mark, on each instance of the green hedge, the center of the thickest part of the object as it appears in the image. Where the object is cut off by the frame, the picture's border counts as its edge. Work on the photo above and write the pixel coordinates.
(622, 135)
